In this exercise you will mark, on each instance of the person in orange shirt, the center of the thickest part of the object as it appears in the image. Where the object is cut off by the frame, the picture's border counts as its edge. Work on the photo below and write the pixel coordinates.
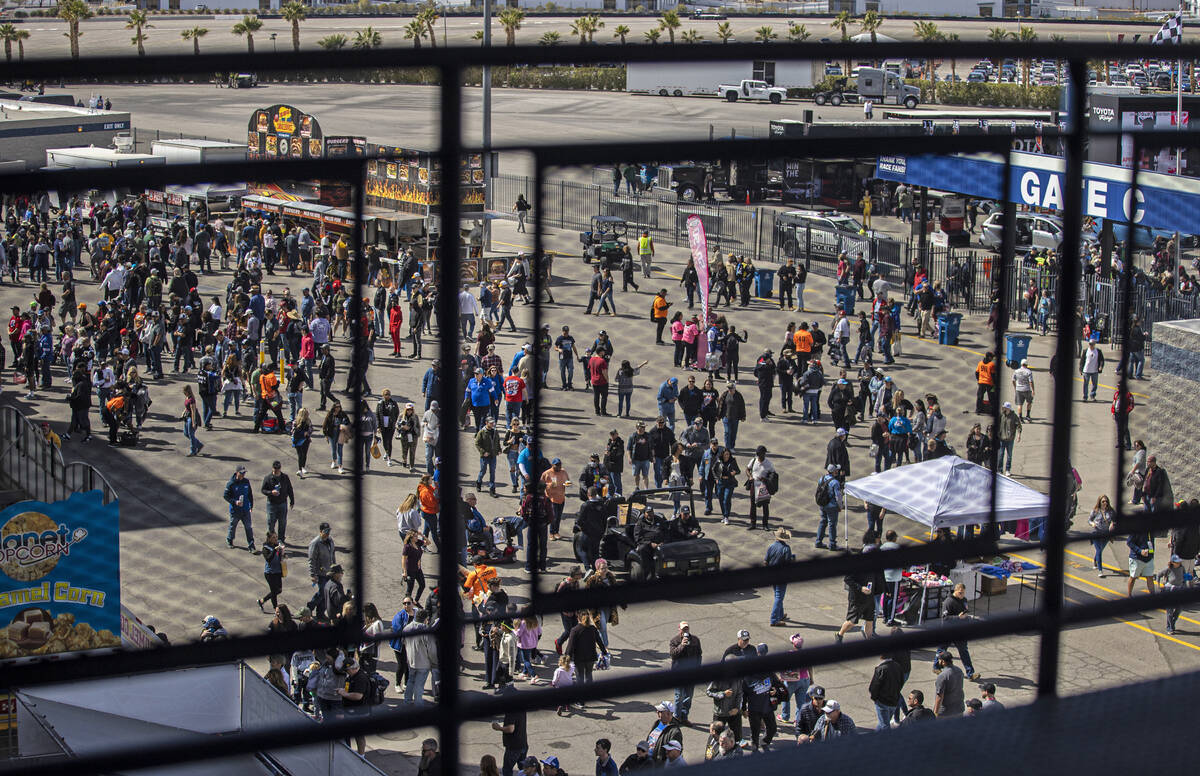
(556, 479)
(270, 402)
(985, 376)
(804, 345)
(658, 312)
(428, 499)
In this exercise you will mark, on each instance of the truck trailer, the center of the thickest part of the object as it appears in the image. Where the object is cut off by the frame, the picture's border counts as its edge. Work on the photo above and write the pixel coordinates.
(668, 79)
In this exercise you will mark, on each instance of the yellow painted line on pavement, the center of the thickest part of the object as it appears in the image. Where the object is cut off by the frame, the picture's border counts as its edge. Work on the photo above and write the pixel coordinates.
(1106, 590)
(1118, 592)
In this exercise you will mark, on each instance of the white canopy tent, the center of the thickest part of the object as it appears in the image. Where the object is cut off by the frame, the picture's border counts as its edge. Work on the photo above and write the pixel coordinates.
(865, 37)
(949, 492)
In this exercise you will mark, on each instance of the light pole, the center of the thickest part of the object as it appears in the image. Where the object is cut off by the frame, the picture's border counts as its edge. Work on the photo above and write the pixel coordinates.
(274, 45)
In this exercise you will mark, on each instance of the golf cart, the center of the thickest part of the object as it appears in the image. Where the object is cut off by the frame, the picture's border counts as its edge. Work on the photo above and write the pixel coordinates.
(605, 242)
(675, 556)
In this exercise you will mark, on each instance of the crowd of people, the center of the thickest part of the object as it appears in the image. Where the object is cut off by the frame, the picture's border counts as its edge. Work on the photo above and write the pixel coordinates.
(267, 348)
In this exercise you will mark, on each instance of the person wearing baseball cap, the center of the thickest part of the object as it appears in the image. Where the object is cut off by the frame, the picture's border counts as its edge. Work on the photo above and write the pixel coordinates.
(639, 759)
(665, 731)
(674, 754)
(837, 454)
(829, 491)
(731, 408)
(550, 767)
(239, 494)
(741, 647)
(833, 723)
(686, 652)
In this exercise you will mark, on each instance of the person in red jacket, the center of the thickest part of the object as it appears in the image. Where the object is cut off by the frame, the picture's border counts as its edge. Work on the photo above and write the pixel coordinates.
(395, 320)
(598, 372)
(1120, 412)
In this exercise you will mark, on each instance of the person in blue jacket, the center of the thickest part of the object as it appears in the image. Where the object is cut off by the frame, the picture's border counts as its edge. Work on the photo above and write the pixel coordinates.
(431, 383)
(240, 497)
(481, 393)
(668, 394)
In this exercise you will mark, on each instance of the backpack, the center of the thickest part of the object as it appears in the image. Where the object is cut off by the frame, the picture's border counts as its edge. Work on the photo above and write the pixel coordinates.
(772, 482)
(327, 682)
(208, 382)
(822, 495)
(377, 685)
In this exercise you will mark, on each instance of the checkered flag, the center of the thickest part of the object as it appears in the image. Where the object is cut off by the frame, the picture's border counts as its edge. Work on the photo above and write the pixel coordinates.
(1172, 30)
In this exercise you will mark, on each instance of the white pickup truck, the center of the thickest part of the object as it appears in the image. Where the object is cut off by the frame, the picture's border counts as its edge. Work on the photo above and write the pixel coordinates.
(750, 89)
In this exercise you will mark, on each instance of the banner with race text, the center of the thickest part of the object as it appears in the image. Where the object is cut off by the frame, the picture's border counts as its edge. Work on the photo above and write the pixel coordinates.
(698, 242)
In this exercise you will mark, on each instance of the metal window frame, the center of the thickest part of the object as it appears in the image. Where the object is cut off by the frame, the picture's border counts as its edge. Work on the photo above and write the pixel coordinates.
(453, 710)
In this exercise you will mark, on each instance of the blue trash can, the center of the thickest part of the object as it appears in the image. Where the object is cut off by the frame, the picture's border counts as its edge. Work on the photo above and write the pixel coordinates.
(764, 282)
(948, 327)
(1016, 347)
(845, 298)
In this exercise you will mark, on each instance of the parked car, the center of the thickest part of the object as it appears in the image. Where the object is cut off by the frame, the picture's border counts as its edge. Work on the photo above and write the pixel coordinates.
(1032, 230)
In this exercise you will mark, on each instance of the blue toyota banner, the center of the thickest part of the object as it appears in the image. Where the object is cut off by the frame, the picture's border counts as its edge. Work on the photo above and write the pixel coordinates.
(1161, 201)
(60, 582)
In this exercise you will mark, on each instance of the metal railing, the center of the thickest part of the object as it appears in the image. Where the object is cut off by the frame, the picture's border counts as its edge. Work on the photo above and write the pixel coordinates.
(32, 464)
(456, 707)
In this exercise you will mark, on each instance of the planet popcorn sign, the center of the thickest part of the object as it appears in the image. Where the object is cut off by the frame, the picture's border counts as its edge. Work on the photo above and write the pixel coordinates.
(60, 585)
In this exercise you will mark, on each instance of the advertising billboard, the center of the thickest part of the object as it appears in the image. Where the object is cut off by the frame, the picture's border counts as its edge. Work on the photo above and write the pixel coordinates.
(60, 582)
(283, 132)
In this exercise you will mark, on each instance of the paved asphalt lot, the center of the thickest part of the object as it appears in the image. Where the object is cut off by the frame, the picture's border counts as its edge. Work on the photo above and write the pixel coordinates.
(176, 568)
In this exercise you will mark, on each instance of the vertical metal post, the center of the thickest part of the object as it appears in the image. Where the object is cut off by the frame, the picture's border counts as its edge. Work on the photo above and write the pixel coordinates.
(1122, 324)
(923, 236)
(488, 172)
(535, 395)
(358, 363)
(1064, 378)
(449, 152)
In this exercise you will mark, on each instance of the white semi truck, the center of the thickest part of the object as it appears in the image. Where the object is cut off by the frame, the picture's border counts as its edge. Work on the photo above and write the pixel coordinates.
(668, 79)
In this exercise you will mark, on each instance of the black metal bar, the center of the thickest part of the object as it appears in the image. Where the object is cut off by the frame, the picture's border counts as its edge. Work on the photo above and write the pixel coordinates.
(1069, 269)
(1126, 285)
(1003, 274)
(358, 363)
(447, 715)
(535, 396)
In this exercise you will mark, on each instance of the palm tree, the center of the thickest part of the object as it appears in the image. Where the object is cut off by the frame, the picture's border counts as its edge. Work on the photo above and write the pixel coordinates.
(669, 21)
(724, 32)
(550, 38)
(338, 41)
(594, 25)
(414, 31)
(294, 12)
(798, 33)
(997, 34)
(194, 35)
(579, 27)
(928, 32)
(1025, 35)
(73, 12)
(138, 20)
(429, 15)
(8, 33)
(764, 35)
(510, 20)
(22, 36)
(691, 36)
(652, 35)
(842, 23)
(367, 38)
(248, 26)
(953, 37)
(621, 31)
(871, 22)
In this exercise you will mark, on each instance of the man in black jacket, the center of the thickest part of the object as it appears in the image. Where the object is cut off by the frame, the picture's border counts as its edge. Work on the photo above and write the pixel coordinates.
(885, 690)
(277, 487)
(690, 399)
(861, 589)
(325, 373)
(662, 441)
(764, 373)
(685, 653)
(591, 521)
(916, 711)
(1135, 345)
(731, 408)
(648, 534)
(836, 453)
(387, 414)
